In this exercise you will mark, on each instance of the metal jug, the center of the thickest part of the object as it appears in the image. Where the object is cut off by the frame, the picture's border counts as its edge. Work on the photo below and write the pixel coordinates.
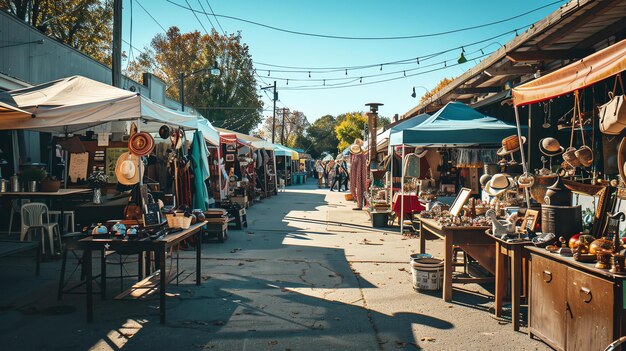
(15, 183)
(4, 185)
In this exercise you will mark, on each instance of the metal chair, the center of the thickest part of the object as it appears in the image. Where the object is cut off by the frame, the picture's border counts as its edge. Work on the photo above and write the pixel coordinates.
(33, 215)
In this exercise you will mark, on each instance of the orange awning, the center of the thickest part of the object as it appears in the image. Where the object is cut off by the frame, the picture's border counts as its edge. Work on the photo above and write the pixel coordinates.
(577, 75)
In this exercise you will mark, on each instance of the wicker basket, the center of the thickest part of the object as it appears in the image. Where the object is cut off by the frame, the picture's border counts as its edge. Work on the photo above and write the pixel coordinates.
(348, 197)
(178, 220)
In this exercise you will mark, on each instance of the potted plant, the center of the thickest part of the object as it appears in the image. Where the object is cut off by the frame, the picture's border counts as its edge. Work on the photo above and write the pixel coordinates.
(31, 176)
(50, 184)
(96, 181)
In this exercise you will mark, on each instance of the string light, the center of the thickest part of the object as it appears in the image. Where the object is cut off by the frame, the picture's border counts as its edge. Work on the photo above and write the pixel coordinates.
(361, 80)
(381, 67)
(309, 74)
(346, 72)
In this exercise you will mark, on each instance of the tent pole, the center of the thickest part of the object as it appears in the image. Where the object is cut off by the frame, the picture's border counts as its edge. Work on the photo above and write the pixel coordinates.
(390, 153)
(140, 163)
(402, 194)
(219, 169)
(275, 172)
(521, 149)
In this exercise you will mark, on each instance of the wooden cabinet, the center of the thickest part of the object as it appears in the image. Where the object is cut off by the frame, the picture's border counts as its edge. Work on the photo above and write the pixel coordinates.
(574, 306)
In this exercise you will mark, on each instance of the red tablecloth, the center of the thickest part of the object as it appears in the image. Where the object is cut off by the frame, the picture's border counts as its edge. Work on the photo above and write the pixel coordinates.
(411, 204)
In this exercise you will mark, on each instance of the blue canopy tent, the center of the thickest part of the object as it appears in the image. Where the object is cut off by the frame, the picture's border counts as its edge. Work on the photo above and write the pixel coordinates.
(456, 124)
(383, 137)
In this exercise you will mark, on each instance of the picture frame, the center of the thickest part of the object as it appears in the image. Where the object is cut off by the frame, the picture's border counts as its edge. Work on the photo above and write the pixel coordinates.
(448, 188)
(230, 158)
(460, 201)
(231, 148)
(530, 219)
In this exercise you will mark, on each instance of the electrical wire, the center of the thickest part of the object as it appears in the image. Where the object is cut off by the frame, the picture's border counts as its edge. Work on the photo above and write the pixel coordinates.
(216, 20)
(196, 16)
(149, 14)
(189, 8)
(205, 15)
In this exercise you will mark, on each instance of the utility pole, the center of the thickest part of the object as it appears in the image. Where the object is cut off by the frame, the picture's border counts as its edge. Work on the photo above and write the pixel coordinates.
(116, 79)
(274, 113)
(282, 130)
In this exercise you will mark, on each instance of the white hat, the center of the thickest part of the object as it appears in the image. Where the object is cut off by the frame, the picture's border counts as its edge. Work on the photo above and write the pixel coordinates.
(498, 184)
(421, 152)
(126, 170)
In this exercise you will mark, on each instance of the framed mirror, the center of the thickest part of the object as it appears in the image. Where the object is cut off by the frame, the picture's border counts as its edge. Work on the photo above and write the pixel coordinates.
(460, 200)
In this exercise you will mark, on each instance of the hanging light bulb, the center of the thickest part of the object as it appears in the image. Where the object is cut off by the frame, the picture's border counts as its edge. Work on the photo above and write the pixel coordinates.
(462, 58)
(287, 81)
(413, 93)
(309, 74)
(361, 80)
(445, 64)
(404, 73)
(324, 82)
(268, 72)
(482, 52)
(418, 60)
(381, 67)
(346, 72)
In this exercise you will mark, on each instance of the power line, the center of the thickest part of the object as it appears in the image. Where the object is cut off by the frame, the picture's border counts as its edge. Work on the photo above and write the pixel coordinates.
(196, 16)
(207, 16)
(149, 14)
(367, 38)
(216, 20)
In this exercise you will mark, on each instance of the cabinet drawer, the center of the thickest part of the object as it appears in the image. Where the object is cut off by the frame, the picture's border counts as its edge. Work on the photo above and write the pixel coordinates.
(590, 314)
(548, 280)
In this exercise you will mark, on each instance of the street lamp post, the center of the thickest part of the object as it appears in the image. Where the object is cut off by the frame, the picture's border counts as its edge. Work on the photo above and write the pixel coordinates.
(181, 81)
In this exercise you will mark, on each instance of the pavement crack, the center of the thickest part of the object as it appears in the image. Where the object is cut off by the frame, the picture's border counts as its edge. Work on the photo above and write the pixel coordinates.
(370, 318)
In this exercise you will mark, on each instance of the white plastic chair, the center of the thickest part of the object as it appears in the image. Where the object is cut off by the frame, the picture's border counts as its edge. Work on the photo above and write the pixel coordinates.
(33, 215)
(68, 219)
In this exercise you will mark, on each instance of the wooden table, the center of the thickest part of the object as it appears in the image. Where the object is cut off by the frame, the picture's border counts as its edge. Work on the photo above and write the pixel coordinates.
(471, 239)
(514, 251)
(158, 246)
(62, 194)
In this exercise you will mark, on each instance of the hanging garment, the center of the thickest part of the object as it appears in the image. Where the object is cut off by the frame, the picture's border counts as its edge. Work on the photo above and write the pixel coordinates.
(200, 170)
(358, 169)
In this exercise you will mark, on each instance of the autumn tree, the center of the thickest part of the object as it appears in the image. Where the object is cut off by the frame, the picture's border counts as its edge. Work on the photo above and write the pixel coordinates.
(228, 100)
(442, 84)
(86, 25)
(350, 128)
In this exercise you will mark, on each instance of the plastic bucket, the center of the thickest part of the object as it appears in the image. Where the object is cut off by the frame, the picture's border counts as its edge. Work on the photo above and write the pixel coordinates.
(427, 273)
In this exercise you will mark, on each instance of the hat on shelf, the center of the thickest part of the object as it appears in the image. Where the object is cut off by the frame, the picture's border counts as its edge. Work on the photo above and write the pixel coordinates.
(141, 144)
(126, 169)
(584, 155)
(498, 184)
(510, 144)
(164, 132)
(550, 147)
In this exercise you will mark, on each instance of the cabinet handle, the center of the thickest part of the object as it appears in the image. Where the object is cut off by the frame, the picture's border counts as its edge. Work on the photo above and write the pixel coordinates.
(585, 294)
(547, 276)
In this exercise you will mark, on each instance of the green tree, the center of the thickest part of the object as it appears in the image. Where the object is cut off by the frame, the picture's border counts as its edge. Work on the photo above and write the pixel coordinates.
(86, 25)
(320, 136)
(350, 128)
(228, 100)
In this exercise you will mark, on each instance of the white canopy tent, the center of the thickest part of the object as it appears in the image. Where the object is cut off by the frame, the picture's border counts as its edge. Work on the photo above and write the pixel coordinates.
(77, 103)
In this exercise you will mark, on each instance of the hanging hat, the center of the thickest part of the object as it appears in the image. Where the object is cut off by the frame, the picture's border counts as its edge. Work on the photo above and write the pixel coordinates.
(164, 132)
(510, 144)
(133, 129)
(550, 147)
(421, 152)
(526, 180)
(126, 169)
(141, 144)
(356, 149)
(569, 156)
(484, 179)
(498, 184)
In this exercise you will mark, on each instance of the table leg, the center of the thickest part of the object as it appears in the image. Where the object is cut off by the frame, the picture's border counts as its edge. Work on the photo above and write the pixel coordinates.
(62, 277)
(422, 241)
(162, 282)
(516, 274)
(89, 281)
(500, 279)
(103, 275)
(140, 258)
(198, 256)
(447, 267)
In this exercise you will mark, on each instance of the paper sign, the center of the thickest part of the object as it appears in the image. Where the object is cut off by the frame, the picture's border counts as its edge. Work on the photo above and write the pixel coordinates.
(78, 167)
(103, 139)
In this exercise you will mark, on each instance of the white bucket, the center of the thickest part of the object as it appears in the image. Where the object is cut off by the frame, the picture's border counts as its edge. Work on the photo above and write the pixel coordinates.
(427, 273)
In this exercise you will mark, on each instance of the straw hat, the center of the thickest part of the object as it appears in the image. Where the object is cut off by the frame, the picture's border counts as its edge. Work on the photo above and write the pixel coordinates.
(356, 149)
(141, 144)
(550, 147)
(421, 152)
(126, 169)
(569, 156)
(510, 144)
(498, 184)
(526, 180)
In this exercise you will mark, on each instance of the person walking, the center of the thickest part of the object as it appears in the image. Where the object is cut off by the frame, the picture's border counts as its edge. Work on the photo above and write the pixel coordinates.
(346, 175)
(338, 176)
(319, 168)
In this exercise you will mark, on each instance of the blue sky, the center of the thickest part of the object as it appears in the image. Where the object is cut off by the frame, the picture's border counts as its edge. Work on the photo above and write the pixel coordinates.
(365, 18)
